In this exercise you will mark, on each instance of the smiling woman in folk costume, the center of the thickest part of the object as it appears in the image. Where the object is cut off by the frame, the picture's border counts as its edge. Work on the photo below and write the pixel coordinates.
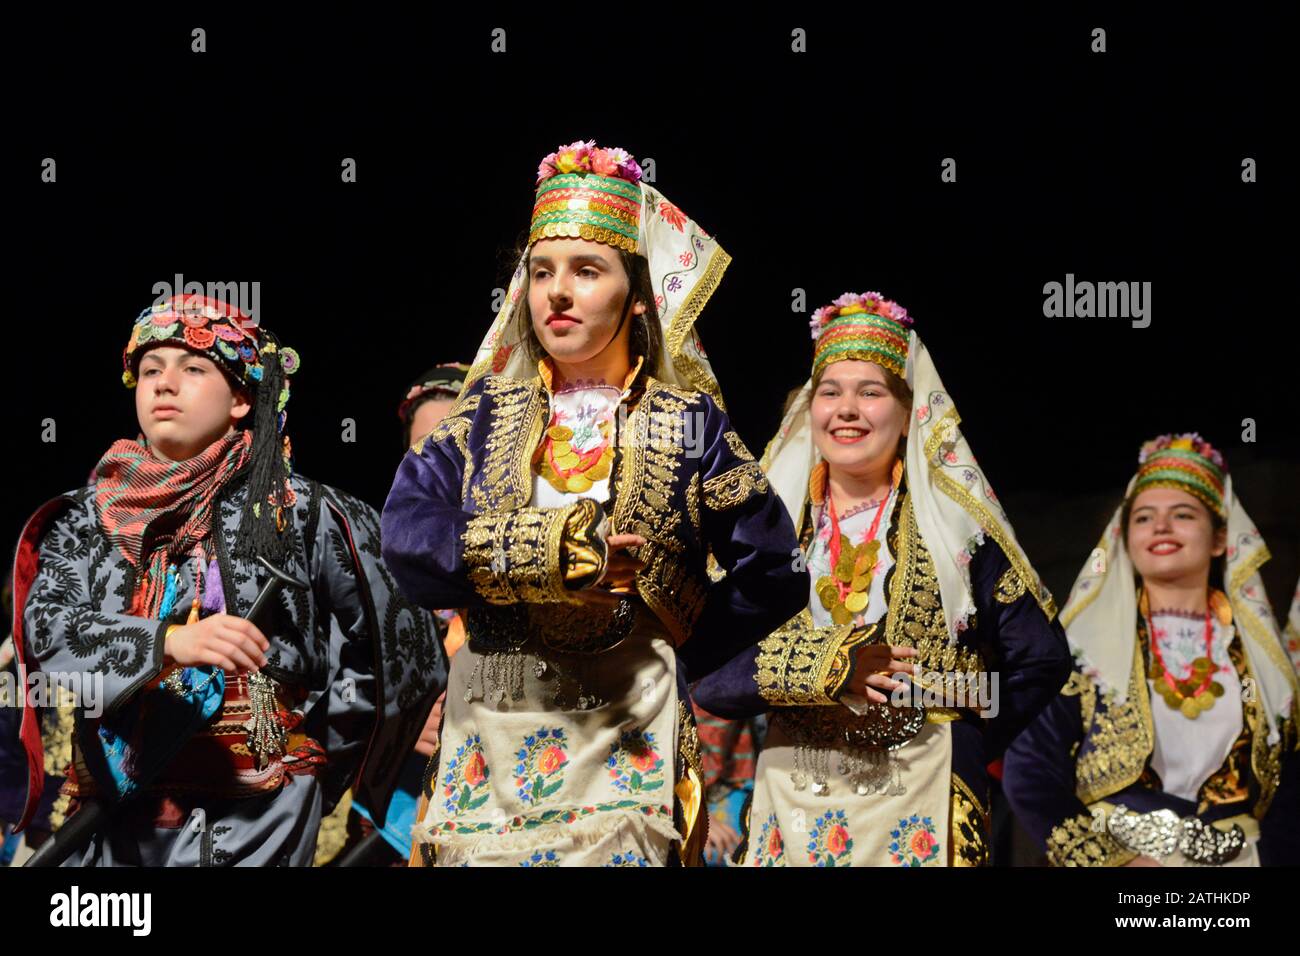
(569, 500)
(922, 610)
(1168, 742)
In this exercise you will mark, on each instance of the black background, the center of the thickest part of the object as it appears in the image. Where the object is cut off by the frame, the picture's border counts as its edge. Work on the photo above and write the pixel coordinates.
(817, 171)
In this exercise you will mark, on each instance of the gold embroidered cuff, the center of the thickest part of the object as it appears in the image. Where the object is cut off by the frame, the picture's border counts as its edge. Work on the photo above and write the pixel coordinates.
(583, 552)
(1083, 840)
(515, 557)
(802, 664)
(735, 487)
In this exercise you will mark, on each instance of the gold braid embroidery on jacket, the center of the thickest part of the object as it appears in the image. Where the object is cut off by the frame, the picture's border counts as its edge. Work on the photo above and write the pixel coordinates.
(969, 826)
(1083, 840)
(735, 487)
(737, 445)
(515, 428)
(1009, 587)
(915, 617)
(1121, 737)
(647, 476)
(801, 664)
(514, 558)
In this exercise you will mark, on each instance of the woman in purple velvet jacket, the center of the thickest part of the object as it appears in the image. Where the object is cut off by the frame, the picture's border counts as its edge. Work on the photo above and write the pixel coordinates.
(569, 501)
(919, 592)
(1173, 743)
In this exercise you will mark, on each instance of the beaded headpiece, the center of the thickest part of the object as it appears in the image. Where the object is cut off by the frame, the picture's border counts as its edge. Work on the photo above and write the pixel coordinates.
(1186, 462)
(862, 326)
(253, 359)
(586, 192)
(212, 328)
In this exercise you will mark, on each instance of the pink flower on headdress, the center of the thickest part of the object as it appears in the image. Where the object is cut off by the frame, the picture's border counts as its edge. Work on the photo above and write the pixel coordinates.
(630, 170)
(602, 163)
(547, 168)
(574, 157)
(821, 317)
(848, 298)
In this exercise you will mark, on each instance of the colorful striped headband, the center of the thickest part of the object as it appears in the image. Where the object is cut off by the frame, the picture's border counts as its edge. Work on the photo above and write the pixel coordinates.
(862, 326)
(585, 192)
(1186, 462)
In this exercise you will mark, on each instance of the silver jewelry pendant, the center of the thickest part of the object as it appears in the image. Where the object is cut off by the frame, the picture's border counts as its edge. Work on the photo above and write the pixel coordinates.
(799, 780)
(539, 669)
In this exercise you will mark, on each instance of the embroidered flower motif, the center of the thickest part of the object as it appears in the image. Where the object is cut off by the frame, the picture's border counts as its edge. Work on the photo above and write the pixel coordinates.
(195, 320)
(549, 858)
(634, 764)
(228, 332)
(464, 782)
(771, 847)
(670, 214)
(247, 353)
(289, 360)
(500, 357)
(541, 762)
(914, 842)
(199, 338)
(829, 842)
(627, 859)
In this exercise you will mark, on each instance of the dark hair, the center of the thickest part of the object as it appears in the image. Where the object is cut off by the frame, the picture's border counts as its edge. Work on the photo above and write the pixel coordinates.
(646, 340)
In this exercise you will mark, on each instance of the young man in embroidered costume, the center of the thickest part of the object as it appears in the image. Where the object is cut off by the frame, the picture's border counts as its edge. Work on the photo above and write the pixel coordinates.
(1167, 744)
(224, 739)
(927, 640)
(569, 501)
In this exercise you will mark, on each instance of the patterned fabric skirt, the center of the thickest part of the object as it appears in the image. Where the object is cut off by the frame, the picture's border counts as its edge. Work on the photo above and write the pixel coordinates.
(823, 806)
(557, 759)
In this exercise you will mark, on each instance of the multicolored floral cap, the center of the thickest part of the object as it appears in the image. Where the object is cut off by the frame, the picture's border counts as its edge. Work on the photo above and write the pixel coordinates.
(212, 328)
(1186, 462)
(587, 192)
(862, 326)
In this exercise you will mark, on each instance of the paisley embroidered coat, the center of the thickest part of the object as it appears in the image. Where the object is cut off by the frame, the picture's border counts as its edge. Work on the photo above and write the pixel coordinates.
(368, 663)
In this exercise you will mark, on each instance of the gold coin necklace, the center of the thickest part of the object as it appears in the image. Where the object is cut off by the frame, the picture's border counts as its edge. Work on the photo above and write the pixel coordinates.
(564, 463)
(846, 591)
(1197, 692)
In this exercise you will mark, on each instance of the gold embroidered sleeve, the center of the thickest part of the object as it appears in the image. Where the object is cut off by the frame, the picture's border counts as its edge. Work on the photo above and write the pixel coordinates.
(1082, 840)
(1009, 588)
(518, 557)
(735, 486)
(801, 664)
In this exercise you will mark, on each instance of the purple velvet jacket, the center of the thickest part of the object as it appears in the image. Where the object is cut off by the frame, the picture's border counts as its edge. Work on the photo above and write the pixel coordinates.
(682, 479)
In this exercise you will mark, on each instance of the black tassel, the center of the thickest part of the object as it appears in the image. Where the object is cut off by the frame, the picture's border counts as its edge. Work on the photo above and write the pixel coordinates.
(259, 532)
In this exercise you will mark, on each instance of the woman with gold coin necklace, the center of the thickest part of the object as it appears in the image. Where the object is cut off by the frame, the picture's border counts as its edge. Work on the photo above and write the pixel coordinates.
(885, 708)
(1168, 743)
